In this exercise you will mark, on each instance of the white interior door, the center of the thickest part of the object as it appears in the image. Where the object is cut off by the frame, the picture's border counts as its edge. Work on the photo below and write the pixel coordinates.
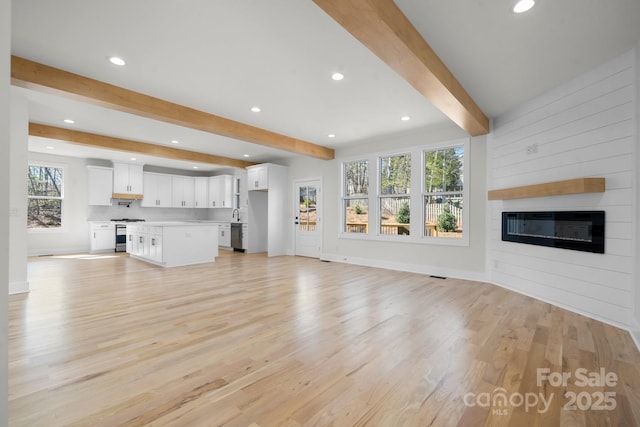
(308, 217)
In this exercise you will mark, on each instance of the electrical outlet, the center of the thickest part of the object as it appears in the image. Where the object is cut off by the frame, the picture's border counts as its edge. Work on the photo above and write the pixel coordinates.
(532, 149)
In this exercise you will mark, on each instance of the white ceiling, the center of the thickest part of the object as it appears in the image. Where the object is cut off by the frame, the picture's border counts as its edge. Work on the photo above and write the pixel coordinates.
(224, 57)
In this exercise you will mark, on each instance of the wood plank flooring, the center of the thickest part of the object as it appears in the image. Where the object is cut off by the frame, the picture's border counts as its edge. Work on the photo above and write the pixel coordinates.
(290, 341)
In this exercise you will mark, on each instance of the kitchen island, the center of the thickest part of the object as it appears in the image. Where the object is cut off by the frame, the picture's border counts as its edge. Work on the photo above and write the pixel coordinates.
(173, 243)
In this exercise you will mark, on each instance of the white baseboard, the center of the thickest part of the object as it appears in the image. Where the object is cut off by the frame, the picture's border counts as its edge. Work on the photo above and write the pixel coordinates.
(18, 287)
(635, 336)
(58, 251)
(478, 276)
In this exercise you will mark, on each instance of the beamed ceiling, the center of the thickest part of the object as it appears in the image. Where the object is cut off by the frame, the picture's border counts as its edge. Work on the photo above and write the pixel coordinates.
(193, 73)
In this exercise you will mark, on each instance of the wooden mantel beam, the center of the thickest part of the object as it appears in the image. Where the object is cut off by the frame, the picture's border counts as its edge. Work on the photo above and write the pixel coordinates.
(119, 144)
(33, 75)
(382, 27)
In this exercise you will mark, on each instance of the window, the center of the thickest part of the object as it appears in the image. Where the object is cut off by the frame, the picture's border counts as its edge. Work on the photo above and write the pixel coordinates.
(443, 192)
(413, 195)
(356, 197)
(394, 197)
(45, 194)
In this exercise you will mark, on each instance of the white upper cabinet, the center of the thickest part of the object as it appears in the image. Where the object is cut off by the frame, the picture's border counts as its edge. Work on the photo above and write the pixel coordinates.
(201, 192)
(127, 179)
(157, 190)
(258, 177)
(221, 191)
(100, 185)
(183, 191)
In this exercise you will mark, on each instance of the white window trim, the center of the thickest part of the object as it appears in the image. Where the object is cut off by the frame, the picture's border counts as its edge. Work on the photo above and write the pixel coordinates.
(416, 195)
(63, 227)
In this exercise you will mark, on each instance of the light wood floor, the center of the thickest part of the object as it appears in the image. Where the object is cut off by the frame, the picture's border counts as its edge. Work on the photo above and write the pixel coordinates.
(251, 341)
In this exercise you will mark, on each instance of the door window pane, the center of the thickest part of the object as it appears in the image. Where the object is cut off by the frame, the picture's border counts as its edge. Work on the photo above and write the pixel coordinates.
(307, 213)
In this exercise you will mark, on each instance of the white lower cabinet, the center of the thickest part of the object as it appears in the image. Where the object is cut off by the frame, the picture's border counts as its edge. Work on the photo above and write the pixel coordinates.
(224, 234)
(102, 237)
(153, 244)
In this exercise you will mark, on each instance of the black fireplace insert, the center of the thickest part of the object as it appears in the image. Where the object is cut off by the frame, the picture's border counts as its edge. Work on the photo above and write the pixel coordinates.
(577, 230)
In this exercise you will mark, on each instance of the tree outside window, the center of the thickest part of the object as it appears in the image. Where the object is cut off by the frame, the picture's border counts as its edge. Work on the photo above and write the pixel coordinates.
(356, 197)
(395, 199)
(45, 196)
(443, 195)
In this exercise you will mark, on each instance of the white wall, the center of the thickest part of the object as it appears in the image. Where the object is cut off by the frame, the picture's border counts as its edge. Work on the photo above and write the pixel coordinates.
(454, 261)
(74, 234)
(5, 162)
(18, 193)
(585, 128)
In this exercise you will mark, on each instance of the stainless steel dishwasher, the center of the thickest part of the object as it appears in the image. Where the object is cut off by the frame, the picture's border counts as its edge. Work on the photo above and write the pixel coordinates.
(236, 237)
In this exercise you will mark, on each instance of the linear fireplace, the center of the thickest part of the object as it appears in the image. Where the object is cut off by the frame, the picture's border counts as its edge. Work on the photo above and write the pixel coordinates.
(577, 230)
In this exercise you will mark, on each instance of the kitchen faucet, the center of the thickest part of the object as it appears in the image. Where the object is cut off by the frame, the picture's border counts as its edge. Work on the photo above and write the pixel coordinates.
(233, 214)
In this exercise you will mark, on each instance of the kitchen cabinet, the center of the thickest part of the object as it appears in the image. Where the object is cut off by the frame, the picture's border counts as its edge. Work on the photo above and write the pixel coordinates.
(201, 187)
(153, 244)
(221, 191)
(258, 177)
(183, 190)
(127, 180)
(157, 190)
(171, 244)
(100, 185)
(102, 236)
(224, 235)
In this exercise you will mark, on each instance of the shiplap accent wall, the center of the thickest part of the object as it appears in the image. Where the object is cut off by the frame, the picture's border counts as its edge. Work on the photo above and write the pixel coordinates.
(585, 128)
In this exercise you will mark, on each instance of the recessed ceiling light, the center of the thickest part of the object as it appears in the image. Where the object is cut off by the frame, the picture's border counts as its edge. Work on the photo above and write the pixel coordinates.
(255, 109)
(69, 121)
(116, 60)
(331, 135)
(195, 167)
(245, 155)
(133, 158)
(175, 141)
(49, 147)
(405, 118)
(523, 6)
(337, 76)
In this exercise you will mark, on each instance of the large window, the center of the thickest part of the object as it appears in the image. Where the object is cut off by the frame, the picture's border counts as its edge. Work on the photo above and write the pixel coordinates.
(356, 197)
(394, 196)
(45, 194)
(416, 194)
(443, 192)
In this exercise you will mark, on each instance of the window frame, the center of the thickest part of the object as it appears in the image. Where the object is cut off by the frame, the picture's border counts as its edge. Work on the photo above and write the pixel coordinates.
(62, 198)
(416, 195)
(344, 197)
(379, 196)
(454, 241)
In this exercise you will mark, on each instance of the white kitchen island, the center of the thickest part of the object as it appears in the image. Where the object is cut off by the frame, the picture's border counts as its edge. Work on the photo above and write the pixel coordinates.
(173, 243)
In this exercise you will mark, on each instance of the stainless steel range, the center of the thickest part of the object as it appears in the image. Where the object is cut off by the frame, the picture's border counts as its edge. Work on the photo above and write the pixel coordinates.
(121, 232)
